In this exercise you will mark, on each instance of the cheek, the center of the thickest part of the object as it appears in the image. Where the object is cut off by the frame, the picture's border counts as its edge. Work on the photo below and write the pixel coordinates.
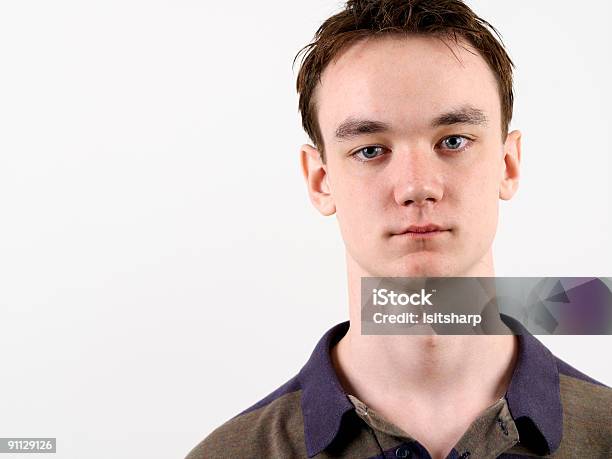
(483, 201)
(358, 208)
(481, 188)
(483, 207)
(478, 199)
(355, 206)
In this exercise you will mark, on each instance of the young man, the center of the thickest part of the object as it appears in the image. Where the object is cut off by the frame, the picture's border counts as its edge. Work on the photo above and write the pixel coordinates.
(408, 105)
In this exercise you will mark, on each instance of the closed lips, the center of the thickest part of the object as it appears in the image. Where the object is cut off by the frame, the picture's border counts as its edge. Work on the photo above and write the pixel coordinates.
(423, 229)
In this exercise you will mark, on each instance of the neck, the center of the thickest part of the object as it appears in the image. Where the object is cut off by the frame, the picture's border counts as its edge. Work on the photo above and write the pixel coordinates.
(441, 369)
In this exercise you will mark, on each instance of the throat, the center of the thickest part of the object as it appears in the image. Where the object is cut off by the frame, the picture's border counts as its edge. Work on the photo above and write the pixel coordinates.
(431, 368)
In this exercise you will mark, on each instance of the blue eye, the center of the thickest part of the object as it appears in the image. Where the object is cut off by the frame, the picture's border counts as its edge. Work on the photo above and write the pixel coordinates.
(455, 142)
(368, 153)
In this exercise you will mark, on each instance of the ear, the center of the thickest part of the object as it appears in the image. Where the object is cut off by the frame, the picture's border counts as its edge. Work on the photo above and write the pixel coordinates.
(315, 174)
(511, 170)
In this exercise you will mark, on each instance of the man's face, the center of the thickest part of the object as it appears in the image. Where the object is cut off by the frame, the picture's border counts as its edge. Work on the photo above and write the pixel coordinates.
(412, 139)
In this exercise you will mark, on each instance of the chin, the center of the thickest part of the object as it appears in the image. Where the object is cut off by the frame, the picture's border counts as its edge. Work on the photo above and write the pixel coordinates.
(422, 266)
(416, 264)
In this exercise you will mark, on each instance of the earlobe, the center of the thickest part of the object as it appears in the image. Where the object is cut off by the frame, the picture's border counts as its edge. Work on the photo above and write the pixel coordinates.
(317, 180)
(511, 167)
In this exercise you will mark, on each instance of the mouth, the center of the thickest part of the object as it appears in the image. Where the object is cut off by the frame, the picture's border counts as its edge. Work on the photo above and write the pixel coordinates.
(423, 231)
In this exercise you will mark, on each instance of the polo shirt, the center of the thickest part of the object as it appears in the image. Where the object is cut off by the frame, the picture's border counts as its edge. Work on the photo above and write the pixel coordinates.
(550, 409)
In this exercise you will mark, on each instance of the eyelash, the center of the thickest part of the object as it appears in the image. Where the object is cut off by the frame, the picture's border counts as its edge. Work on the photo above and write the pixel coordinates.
(467, 145)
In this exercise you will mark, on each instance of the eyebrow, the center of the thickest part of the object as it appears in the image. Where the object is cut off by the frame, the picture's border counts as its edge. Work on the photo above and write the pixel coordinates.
(354, 127)
(463, 115)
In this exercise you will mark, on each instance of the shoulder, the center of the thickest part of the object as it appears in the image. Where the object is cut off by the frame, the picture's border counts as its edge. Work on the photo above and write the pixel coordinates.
(272, 427)
(587, 406)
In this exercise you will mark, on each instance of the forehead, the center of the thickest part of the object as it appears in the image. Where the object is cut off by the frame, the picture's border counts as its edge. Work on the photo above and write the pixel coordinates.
(405, 81)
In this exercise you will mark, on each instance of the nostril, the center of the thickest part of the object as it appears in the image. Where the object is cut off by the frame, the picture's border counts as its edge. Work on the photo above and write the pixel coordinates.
(420, 202)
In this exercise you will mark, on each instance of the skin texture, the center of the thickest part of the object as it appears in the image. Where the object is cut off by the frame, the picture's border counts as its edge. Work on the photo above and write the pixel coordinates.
(440, 383)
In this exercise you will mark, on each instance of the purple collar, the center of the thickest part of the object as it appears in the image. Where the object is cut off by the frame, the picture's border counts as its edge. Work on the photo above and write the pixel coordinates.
(533, 395)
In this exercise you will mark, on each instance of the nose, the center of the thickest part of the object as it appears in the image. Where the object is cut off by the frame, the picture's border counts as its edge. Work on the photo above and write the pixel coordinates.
(418, 179)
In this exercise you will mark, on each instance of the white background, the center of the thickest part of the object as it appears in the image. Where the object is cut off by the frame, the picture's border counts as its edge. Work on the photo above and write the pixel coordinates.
(161, 266)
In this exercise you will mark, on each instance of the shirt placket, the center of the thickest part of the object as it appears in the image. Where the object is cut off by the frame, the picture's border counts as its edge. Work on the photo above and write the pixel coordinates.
(492, 433)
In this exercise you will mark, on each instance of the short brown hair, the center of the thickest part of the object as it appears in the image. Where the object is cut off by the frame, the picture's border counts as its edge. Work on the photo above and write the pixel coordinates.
(366, 18)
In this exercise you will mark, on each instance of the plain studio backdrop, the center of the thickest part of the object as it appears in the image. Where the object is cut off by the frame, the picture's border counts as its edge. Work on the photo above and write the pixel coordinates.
(161, 266)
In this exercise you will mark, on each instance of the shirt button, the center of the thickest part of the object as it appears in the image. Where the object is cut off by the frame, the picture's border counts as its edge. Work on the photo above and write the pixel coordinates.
(402, 451)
